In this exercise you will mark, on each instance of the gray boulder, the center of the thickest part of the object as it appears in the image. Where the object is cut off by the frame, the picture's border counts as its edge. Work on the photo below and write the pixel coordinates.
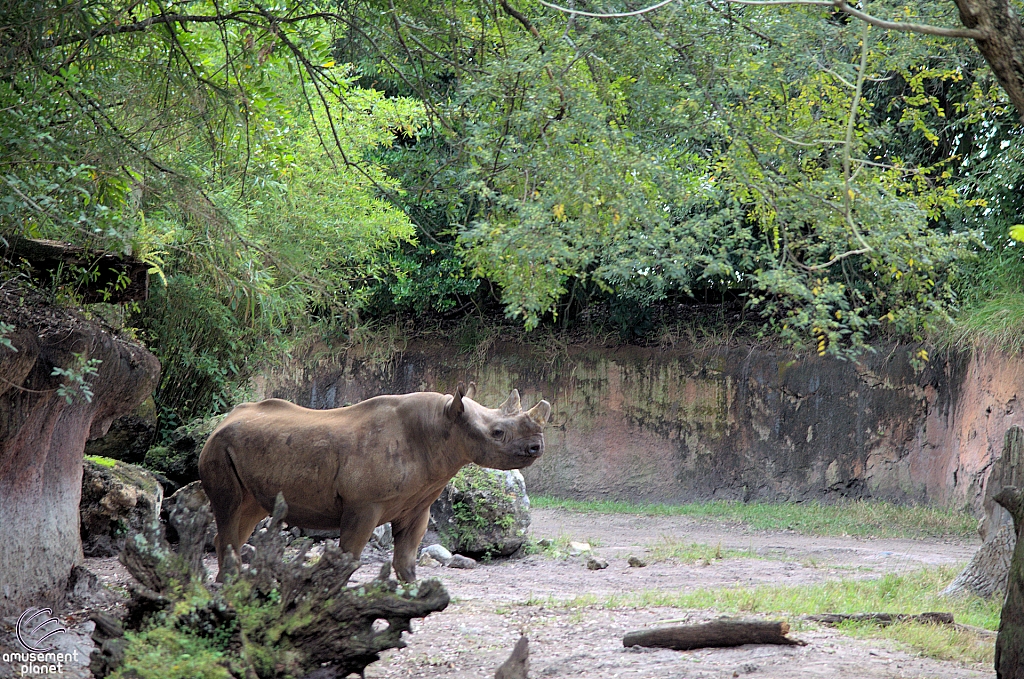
(483, 512)
(118, 499)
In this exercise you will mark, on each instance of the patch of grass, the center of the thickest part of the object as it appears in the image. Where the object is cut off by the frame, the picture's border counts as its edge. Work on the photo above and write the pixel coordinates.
(860, 517)
(996, 322)
(933, 641)
(101, 461)
(669, 549)
(913, 592)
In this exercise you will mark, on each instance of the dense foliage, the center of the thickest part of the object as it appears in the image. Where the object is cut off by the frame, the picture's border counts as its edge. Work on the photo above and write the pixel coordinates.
(330, 163)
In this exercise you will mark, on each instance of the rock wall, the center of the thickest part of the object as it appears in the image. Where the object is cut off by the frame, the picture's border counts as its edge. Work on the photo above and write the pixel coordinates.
(42, 439)
(739, 423)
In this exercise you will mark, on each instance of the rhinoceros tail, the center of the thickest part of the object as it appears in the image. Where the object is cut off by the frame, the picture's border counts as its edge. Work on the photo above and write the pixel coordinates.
(234, 508)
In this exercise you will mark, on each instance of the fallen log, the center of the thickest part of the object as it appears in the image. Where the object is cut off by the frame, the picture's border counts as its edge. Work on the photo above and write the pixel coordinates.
(718, 634)
(883, 619)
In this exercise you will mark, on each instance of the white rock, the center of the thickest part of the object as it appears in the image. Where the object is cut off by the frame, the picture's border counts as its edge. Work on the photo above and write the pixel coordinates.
(577, 548)
(440, 553)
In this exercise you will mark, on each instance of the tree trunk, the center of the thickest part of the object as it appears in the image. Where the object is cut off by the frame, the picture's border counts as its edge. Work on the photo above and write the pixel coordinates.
(42, 439)
(1003, 45)
(717, 634)
(1010, 642)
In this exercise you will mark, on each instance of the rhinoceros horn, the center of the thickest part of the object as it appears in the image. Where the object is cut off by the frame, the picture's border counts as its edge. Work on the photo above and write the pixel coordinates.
(512, 405)
(540, 412)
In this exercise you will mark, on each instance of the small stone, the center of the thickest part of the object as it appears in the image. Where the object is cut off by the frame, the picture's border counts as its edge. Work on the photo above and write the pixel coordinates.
(636, 562)
(439, 553)
(749, 668)
(247, 553)
(577, 548)
(544, 542)
(596, 564)
(459, 561)
(428, 561)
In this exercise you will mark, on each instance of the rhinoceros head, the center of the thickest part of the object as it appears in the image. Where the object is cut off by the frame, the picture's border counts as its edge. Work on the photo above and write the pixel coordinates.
(500, 438)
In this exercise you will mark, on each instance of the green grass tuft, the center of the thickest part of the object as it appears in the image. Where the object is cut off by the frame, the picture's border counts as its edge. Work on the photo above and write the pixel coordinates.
(101, 461)
(860, 517)
(996, 322)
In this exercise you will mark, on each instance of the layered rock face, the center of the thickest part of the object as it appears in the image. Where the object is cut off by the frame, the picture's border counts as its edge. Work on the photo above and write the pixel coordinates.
(735, 423)
(43, 436)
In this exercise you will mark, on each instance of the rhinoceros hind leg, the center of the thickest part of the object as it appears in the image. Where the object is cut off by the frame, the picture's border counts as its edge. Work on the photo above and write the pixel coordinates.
(235, 526)
(407, 541)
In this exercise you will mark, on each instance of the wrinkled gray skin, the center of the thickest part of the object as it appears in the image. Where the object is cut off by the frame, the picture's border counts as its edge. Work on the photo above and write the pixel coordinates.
(384, 459)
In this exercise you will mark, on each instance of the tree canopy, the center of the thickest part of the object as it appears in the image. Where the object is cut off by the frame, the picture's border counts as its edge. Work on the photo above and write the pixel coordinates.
(316, 163)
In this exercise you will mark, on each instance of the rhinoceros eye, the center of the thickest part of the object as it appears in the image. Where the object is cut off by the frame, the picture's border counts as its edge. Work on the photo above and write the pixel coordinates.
(498, 433)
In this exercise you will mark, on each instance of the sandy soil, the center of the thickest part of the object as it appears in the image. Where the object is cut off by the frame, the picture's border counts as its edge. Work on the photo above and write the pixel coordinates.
(493, 604)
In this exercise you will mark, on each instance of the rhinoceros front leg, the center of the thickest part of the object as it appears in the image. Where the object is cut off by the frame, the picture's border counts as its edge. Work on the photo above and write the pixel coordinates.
(357, 524)
(408, 535)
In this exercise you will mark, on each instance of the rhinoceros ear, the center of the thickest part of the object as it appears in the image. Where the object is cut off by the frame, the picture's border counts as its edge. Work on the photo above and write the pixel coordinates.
(454, 409)
(540, 413)
(512, 405)
(471, 390)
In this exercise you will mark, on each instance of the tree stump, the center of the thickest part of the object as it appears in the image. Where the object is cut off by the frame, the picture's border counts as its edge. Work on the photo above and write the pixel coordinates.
(279, 617)
(518, 664)
(1007, 470)
(1010, 642)
(988, 570)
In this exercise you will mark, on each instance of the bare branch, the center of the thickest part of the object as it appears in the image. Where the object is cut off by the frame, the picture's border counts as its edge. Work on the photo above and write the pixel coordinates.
(850, 126)
(611, 15)
(840, 5)
(912, 28)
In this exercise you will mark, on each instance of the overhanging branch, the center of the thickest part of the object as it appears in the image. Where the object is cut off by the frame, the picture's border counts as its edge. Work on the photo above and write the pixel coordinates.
(840, 5)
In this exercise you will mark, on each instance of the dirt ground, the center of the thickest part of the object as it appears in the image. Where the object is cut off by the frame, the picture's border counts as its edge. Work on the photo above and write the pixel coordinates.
(496, 602)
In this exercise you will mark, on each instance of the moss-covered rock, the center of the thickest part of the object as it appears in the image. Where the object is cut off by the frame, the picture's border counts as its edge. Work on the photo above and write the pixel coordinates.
(483, 512)
(178, 458)
(117, 499)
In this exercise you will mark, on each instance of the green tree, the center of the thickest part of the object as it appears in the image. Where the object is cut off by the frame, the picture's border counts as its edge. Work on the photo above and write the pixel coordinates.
(221, 143)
